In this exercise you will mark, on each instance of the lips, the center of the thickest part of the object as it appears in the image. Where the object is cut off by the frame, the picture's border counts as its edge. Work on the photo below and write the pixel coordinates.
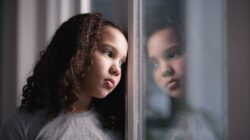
(172, 84)
(109, 83)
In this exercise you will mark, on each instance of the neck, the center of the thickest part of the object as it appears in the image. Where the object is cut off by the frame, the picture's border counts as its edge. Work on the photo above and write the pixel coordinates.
(178, 104)
(83, 103)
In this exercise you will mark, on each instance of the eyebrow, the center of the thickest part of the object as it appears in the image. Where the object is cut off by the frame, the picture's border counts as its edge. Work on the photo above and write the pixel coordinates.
(174, 47)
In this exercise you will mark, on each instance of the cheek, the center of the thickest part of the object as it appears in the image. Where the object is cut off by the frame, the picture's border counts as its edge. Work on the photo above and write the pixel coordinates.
(119, 78)
(179, 67)
(157, 76)
(99, 65)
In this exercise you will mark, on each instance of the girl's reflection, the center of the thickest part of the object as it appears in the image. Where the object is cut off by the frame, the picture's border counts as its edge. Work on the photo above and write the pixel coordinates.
(166, 55)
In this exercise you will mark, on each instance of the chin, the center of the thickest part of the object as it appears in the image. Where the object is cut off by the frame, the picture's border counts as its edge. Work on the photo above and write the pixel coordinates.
(102, 95)
(175, 93)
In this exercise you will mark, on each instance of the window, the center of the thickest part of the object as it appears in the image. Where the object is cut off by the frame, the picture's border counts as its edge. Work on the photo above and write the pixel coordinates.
(198, 80)
(214, 35)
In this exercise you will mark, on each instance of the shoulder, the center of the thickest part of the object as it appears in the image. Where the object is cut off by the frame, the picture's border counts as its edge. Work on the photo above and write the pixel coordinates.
(22, 125)
(13, 128)
(75, 126)
(193, 125)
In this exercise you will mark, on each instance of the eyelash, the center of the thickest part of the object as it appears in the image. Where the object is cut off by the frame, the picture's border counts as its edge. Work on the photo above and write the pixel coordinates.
(121, 64)
(173, 54)
(108, 53)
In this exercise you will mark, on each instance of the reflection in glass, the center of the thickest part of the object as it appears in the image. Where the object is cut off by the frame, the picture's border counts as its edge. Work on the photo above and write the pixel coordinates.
(168, 116)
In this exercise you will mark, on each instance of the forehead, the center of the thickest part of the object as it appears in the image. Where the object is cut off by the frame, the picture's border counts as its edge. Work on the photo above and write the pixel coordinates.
(109, 31)
(113, 37)
(161, 40)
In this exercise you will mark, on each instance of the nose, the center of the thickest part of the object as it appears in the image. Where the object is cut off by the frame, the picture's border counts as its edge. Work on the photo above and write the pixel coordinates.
(115, 69)
(167, 70)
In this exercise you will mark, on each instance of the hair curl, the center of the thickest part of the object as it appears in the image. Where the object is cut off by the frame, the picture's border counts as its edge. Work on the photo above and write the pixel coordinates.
(58, 74)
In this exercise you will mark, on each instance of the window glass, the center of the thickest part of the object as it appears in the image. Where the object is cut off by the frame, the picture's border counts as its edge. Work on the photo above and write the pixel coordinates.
(105, 7)
(174, 107)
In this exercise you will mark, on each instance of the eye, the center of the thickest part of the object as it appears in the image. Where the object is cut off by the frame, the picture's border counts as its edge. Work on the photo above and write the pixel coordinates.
(173, 53)
(170, 55)
(121, 64)
(108, 53)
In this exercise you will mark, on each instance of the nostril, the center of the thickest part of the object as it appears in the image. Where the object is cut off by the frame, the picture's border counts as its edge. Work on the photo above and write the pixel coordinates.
(168, 72)
(114, 70)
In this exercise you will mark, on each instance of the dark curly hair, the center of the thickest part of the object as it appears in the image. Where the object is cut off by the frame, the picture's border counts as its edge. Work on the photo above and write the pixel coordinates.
(57, 75)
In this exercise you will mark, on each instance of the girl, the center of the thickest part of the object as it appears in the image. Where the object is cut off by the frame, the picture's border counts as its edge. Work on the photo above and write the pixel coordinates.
(166, 54)
(63, 99)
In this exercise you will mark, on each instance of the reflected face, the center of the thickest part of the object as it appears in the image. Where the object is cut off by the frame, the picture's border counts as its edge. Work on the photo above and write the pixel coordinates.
(167, 59)
(105, 72)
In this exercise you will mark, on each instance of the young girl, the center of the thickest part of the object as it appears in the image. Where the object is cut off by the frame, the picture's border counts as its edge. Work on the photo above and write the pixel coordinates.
(167, 56)
(63, 99)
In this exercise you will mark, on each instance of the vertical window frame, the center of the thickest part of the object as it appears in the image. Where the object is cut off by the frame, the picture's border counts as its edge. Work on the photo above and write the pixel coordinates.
(136, 72)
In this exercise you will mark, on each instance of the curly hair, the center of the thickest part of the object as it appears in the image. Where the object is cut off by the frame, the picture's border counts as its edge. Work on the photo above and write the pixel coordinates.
(58, 74)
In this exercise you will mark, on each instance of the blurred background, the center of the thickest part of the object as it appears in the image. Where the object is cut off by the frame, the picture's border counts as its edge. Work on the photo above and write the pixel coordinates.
(217, 43)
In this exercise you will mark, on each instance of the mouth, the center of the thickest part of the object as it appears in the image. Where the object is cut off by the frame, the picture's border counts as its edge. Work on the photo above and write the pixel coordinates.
(109, 83)
(172, 84)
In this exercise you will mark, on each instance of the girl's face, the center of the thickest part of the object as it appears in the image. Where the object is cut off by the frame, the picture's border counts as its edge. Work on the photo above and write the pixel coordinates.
(165, 54)
(105, 72)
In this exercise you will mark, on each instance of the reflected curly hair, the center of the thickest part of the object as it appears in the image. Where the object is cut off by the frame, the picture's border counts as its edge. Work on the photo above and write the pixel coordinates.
(58, 74)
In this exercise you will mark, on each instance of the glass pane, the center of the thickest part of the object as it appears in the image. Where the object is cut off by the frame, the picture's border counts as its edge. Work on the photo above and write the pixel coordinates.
(105, 7)
(172, 111)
